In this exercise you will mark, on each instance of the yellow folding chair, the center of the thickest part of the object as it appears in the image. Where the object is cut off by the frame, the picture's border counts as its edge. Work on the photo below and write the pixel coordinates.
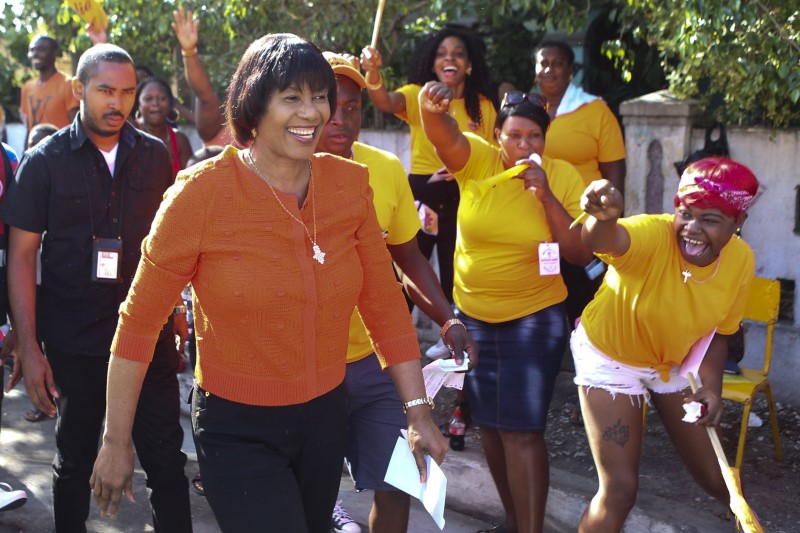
(762, 306)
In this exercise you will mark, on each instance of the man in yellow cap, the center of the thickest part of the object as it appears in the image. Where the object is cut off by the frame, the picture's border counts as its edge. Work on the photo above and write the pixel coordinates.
(376, 412)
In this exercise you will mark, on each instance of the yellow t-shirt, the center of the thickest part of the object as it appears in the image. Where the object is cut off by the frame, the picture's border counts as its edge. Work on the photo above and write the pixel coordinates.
(497, 247)
(588, 136)
(423, 155)
(645, 315)
(397, 216)
(49, 103)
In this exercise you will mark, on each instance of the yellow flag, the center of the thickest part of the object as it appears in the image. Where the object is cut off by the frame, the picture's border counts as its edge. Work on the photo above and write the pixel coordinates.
(91, 12)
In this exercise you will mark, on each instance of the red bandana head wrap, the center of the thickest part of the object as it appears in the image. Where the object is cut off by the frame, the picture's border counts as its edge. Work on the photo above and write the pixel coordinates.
(717, 182)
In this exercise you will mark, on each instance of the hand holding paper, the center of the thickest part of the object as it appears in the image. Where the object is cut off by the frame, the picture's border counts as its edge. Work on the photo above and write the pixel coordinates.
(402, 473)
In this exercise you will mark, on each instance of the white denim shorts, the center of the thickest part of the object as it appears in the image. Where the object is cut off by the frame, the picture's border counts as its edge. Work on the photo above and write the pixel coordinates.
(593, 368)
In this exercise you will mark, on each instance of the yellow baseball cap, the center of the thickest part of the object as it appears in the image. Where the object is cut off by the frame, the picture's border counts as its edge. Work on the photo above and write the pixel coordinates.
(343, 66)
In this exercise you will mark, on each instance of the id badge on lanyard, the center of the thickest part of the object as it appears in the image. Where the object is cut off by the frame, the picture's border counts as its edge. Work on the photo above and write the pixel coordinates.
(549, 259)
(107, 260)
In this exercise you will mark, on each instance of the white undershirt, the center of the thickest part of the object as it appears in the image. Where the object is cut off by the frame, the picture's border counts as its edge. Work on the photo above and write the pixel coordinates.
(111, 158)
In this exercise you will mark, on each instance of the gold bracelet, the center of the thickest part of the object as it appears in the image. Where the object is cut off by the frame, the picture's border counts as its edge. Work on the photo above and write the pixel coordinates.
(189, 53)
(374, 86)
(449, 324)
(419, 401)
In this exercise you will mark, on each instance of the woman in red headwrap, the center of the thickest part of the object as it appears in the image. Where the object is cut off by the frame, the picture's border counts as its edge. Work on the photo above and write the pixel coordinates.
(672, 280)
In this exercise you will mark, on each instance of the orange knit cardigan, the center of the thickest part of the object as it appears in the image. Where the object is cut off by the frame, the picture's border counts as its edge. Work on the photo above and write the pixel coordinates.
(271, 323)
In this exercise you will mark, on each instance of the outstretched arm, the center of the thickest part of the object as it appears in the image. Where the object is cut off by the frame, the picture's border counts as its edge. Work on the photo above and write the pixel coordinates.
(384, 100)
(208, 116)
(442, 130)
(601, 233)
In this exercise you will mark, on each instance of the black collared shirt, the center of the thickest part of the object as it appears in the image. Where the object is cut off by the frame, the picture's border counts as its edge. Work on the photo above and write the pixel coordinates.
(64, 190)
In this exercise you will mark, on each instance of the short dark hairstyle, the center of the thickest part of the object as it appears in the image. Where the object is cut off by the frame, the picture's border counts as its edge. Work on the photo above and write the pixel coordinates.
(478, 83)
(47, 38)
(91, 58)
(273, 63)
(40, 132)
(148, 72)
(563, 47)
(530, 110)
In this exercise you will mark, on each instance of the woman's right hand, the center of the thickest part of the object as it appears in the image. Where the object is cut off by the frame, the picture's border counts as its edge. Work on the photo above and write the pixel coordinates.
(371, 59)
(602, 200)
(185, 27)
(435, 97)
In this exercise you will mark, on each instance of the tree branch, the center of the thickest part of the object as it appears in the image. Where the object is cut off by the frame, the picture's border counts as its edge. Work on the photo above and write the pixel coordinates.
(777, 26)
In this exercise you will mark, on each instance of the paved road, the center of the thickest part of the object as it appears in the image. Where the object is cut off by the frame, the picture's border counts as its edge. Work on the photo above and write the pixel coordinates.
(26, 453)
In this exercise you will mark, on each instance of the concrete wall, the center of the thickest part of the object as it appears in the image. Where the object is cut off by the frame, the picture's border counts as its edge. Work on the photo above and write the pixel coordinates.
(659, 130)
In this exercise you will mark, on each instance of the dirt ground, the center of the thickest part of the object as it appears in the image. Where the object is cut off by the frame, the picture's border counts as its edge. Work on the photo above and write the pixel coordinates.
(771, 487)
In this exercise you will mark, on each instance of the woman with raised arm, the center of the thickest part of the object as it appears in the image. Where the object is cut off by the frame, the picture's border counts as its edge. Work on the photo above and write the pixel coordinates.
(508, 291)
(456, 59)
(673, 279)
(280, 245)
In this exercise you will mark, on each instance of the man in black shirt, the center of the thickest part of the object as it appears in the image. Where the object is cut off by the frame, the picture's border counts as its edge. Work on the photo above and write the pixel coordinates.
(88, 194)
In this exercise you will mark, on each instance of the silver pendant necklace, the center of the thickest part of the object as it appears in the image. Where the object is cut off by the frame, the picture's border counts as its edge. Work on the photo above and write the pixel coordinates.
(687, 274)
(319, 255)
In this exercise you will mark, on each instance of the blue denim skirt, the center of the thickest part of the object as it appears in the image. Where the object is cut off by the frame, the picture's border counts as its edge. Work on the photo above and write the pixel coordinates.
(511, 387)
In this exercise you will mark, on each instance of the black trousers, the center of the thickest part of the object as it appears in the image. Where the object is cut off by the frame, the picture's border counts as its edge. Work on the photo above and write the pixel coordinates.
(442, 197)
(271, 468)
(157, 436)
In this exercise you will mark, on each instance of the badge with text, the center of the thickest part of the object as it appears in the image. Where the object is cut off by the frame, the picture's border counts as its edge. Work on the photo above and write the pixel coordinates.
(549, 259)
(107, 260)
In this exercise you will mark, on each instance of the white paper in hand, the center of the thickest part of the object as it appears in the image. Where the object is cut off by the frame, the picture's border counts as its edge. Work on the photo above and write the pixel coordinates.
(404, 475)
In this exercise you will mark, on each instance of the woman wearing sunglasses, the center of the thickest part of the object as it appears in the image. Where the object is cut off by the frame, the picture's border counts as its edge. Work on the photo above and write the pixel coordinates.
(507, 287)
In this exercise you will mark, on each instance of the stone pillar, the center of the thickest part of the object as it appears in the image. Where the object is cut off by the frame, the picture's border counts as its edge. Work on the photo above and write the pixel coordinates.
(658, 129)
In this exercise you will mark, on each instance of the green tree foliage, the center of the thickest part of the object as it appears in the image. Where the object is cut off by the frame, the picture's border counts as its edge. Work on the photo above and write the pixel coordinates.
(740, 58)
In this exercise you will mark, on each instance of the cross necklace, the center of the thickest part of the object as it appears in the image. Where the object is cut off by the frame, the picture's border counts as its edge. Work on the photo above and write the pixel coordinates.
(687, 274)
(319, 255)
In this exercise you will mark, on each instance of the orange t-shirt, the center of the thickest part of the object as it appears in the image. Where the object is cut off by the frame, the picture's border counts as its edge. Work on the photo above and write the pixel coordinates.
(49, 102)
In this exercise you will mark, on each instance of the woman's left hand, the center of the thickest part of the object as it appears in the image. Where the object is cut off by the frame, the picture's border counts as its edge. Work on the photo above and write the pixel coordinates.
(112, 477)
(424, 438)
(712, 402)
(535, 179)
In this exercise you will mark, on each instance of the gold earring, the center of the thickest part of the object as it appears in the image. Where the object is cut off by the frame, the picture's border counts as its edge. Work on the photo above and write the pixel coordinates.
(253, 132)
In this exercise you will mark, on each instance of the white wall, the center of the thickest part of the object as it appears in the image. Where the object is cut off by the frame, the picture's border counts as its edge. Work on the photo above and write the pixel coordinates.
(774, 157)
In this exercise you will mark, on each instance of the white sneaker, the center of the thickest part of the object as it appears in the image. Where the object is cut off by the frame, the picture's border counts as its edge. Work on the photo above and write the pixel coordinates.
(438, 351)
(341, 521)
(10, 498)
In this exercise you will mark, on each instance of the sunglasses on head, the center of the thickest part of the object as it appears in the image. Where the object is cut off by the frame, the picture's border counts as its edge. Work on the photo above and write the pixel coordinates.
(517, 97)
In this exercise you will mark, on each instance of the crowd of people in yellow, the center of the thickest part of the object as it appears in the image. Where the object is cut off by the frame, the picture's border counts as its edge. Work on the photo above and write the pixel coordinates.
(305, 249)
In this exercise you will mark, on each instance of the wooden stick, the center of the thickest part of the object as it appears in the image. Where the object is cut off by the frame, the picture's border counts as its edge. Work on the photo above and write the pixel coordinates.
(376, 28)
(712, 433)
(583, 217)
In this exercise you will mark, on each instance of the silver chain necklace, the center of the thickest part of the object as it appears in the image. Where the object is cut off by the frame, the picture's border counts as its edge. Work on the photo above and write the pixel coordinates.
(319, 255)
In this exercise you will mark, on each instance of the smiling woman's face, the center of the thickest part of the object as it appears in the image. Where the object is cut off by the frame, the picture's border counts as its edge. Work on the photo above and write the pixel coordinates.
(701, 234)
(553, 71)
(451, 62)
